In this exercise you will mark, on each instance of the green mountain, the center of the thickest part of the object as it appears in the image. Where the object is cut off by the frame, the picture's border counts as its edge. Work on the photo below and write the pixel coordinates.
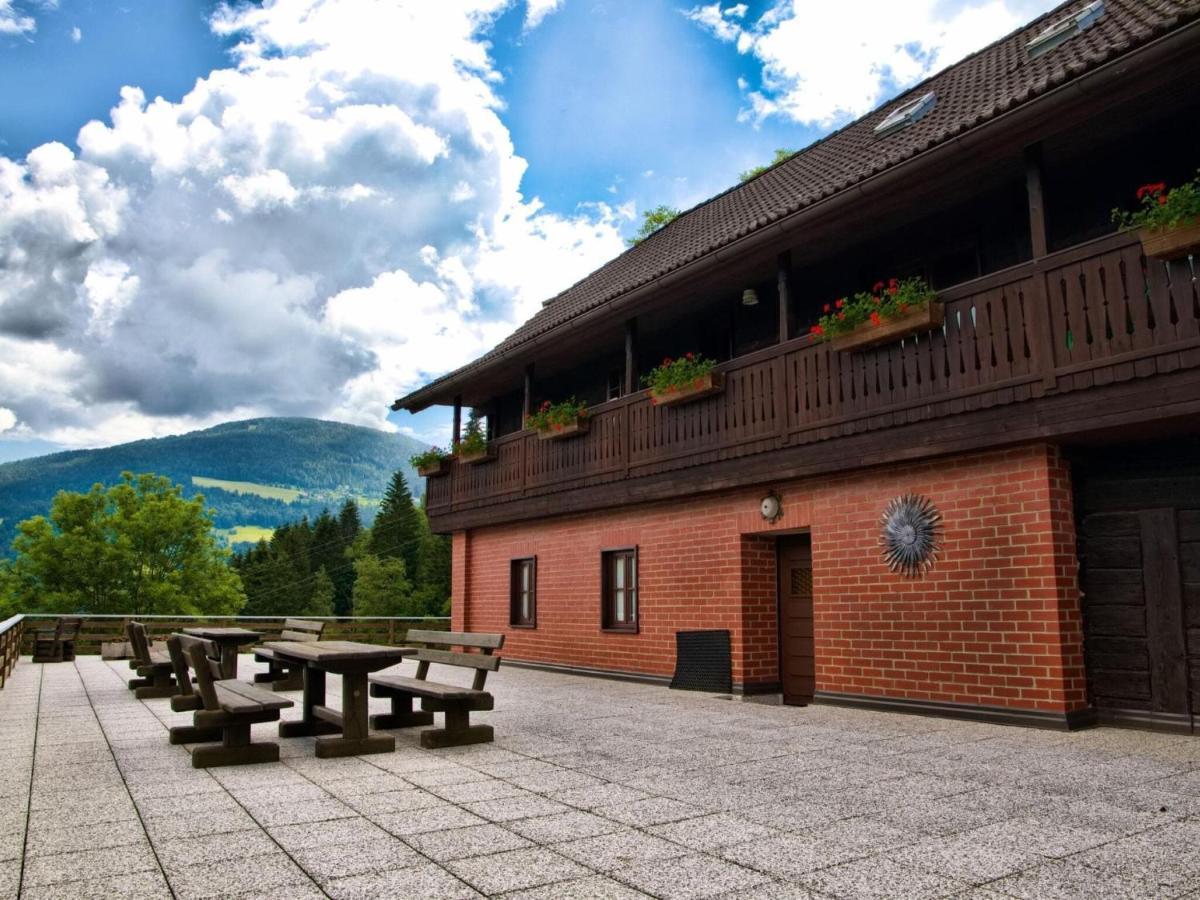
(255, 474)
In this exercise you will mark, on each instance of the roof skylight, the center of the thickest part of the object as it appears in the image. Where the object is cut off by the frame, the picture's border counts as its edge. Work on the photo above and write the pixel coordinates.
(1065, 29)
(905, 115)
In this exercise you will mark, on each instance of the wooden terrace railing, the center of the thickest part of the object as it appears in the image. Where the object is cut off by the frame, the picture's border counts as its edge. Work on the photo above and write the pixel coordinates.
(1094, 314)
(11, 631)
(100, 629)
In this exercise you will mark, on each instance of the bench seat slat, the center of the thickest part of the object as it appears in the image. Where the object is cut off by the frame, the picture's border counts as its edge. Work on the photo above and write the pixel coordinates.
(237, 696)
(423, 688)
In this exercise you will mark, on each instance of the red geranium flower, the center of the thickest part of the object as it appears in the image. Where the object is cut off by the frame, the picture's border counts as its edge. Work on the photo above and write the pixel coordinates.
(1162, 199)
(1151, 189)
(840, 303)
(893, 290)
(875, 319)
(690, 356)
(878, 287)
(666, 360)
(876, 300)
(816, 329)
(841, 317)
(827, 308)
(893, 283)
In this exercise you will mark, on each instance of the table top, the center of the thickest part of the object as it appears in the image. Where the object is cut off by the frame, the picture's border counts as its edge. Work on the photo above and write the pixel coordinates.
(339, 651)
(241, 635)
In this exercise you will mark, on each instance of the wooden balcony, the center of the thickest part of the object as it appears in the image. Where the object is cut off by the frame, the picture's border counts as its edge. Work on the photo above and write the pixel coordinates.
(1026, 342)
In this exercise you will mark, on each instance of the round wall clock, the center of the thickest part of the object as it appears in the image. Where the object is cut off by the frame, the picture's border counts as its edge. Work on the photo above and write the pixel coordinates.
(910, 535)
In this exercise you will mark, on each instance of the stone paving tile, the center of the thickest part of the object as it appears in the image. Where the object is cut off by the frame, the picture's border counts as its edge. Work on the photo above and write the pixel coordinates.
(653, 811)
(326, 862)
(393, 802)
(880, 878)
(252, 874)
(475, 791)
(45, 870)
(428, 882)
(1071, 880)
(565, 826)
(136, 886)
(968, 857)
(515, 869)
(509, 809)
(461, 843)
(213, 848)
(792, 855)
(176, 826)
(294, 838)
(711, 832)
(619, 850)
(420, 821)
(594, 887)
(697, 875)
(598, 795)
(308, 811)
(10, 878)
(46, 839)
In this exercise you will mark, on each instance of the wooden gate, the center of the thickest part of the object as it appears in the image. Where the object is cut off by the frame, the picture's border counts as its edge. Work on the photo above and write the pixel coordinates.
(1139, 551)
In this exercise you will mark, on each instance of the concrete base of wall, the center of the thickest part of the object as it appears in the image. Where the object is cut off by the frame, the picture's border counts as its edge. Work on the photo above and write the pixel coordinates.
(1000, 715)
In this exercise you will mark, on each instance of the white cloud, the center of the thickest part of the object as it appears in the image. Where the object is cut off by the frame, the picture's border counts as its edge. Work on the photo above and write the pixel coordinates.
(314, 231)
(8, 419)
(824, 64)
(76, 34)
(537, 10)
(12, 21)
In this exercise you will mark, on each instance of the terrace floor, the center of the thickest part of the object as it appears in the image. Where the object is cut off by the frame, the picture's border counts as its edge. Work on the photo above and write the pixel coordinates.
(592, 789)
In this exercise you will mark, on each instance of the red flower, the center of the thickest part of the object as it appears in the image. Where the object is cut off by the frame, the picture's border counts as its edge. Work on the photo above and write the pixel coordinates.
(1147, 190)
(666, 360)
(876, 300)
(691, 356)
(875, 319)
(878, 287)
(893, 291)
(1162, 199)
(840, 302)
(545, 404)
(893, 284)
(827, 308)
(841, 317)
(816, 329)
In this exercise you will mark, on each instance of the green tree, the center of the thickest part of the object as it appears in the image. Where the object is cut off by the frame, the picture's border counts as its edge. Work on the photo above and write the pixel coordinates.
(397, 529)
(780, 155)
(382, 588)
(138, 548)
(433, 572)
(321, 601)
(349, 522)
(652, 221)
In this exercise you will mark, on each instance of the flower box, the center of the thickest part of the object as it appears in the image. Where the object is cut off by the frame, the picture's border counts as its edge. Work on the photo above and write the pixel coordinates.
(561, 432)
(1171, 243)
(703, 386)
(923, 318)
(476, 456)
(434, 469)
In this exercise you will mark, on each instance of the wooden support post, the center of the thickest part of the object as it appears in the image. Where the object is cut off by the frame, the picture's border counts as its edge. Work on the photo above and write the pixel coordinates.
(1042, 347)
(527, 409)
(457, 420)
(785, 265)
(631, 356)
(1037, 201)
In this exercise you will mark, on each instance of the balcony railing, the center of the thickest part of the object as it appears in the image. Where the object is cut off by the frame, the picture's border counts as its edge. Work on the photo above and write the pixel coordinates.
(10, 645)
(1092, 315)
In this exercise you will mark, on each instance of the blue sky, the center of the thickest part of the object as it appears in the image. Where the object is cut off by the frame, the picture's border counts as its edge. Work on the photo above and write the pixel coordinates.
(309, 207)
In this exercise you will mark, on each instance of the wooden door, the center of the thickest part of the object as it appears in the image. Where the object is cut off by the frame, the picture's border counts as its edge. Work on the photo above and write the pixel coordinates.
(1139, 551)
(797, 667)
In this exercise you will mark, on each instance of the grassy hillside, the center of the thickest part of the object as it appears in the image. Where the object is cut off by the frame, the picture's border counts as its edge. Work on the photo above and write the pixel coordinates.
(256, 474)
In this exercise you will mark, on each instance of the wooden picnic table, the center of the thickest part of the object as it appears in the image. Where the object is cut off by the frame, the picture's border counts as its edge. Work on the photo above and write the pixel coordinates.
(228, 640)
(354, 662)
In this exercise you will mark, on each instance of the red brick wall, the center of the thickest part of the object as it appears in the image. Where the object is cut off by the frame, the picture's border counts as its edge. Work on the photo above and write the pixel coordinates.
(996, 622)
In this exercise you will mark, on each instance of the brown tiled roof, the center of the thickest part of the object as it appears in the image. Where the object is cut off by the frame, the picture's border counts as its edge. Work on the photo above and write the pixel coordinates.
(990, 82)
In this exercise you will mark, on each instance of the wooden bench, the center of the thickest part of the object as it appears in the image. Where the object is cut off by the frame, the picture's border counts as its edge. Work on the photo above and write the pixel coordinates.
(154, 668)
(455, 701)
(229, 709)
(56, 644)
(284, 675)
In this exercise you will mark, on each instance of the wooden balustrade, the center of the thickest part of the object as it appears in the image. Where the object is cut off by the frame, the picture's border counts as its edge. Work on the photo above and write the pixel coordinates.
(1091, 315)
(101, 629)
(11, 632)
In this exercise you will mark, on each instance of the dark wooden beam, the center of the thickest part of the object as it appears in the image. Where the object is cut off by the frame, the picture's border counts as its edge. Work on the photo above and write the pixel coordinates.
(1037, 200)
(457, 419)
(631, 356)
(785, 305)
(528, 405)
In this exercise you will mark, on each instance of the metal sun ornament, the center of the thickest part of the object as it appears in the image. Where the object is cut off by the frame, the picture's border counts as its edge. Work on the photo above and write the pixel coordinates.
(910, 535)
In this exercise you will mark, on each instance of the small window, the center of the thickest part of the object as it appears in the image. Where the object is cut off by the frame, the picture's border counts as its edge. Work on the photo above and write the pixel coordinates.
(523, 593)
(616, 383)
(905, 115)
(619, 592)
(1065, 29)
